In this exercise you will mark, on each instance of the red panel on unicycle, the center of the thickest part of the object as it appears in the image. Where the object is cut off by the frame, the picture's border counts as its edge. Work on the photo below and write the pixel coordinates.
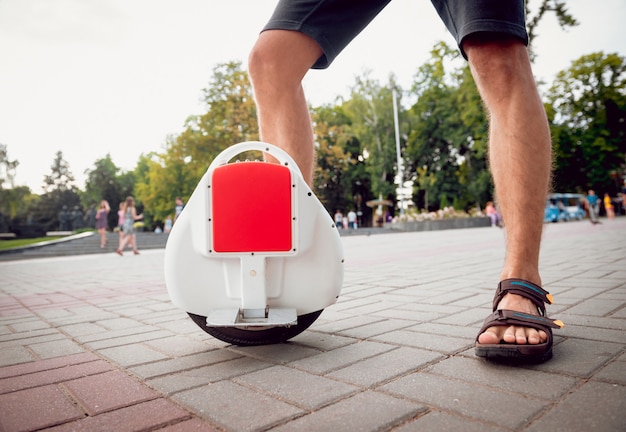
(251, 205)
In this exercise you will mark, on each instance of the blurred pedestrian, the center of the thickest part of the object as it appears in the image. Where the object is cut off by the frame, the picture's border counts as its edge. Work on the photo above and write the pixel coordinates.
(352, 219)
(608, 206)
(77, 218)
(339, 219)
(592, 206)
(101, 222)
(64, 219)
(167, 227)
(120, 224)
(494, 215)
(130, 216)
(90, 216)
(178, 209)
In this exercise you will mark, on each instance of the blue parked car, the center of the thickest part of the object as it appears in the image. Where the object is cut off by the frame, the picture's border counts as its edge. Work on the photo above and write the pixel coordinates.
(564, 207)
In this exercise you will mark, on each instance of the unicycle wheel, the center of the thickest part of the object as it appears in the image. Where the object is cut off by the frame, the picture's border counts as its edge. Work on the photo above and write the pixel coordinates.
(252, 336)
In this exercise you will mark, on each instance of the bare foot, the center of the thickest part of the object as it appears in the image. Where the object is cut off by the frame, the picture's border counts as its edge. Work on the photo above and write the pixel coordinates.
(514, 334)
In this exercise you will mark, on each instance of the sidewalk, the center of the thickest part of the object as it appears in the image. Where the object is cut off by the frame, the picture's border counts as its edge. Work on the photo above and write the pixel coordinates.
(92, 343)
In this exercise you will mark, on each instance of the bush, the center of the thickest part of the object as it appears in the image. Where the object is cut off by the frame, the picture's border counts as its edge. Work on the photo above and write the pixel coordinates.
(413, 215)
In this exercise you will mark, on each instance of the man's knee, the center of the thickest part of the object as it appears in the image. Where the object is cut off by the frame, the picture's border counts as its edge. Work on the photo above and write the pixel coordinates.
(259, 61)
(282, 55)
(501, 61)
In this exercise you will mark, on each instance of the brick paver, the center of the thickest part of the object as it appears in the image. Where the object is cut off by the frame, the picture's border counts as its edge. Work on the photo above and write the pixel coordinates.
(93, 343)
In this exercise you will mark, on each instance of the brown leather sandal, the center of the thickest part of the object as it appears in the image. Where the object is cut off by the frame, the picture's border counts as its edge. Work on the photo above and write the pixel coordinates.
(525, 353)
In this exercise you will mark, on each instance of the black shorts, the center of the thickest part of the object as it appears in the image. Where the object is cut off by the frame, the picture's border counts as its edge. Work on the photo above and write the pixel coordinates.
(334, 23)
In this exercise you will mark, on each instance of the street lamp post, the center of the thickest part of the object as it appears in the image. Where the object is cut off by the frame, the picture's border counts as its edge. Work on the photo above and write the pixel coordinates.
(398, 153)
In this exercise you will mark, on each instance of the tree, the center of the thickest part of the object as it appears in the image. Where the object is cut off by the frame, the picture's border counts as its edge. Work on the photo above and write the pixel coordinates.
(105, 182)
(60, 190)
(230, 118)
(7, 167)
(449, 140)
(61, 177)
(370, 110)
(587, 109)
(340, 181)
(534, 17)
(440, 140)
(11, 199)
(473, 174)
(152, 188)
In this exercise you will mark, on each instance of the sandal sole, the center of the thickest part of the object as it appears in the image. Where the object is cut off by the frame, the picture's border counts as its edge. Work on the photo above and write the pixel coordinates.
(514, 354)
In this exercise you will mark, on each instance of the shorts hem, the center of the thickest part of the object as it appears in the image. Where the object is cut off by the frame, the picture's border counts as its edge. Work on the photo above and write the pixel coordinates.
(329, 53)
(494, 27)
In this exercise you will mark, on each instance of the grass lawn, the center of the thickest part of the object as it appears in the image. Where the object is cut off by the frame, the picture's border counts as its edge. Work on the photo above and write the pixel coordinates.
(10, 244)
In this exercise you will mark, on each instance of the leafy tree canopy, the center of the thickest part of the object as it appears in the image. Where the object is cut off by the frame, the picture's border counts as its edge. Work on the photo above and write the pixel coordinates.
(587, 109)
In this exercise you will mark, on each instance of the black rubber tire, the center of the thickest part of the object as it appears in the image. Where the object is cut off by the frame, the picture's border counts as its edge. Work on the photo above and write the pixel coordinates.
(260, 336)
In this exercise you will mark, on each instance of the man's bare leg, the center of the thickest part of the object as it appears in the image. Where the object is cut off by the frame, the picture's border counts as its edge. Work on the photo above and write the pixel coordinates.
(520, 158)
(277, 65)
(520, 141)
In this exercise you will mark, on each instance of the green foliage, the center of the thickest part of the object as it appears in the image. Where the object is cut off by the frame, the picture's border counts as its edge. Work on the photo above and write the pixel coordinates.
(446, 148)
(153, 187)
(534, 15)
(7, 167)
(340, 172)
(60, 177)
(587, 109)
(370, 110)
(13, 200)
(472, 173)
(443, 137)
(60, 190)
(230, 118)
(104, 182)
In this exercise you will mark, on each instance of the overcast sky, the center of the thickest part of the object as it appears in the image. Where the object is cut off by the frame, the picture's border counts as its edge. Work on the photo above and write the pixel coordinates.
(91, 77)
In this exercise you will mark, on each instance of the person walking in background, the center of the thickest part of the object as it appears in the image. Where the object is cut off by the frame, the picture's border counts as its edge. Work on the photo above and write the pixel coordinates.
(101, 222)
(608, 206)
(167, 227)
(592, 206)
(120, 224)
(352, 219)
(130, 216)
(339, 219)
(180, 205)
(64, 219)
(492, 212)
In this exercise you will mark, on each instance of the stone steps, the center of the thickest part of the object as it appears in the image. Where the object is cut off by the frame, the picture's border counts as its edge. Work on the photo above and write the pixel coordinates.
(89, 242)
(83, 244)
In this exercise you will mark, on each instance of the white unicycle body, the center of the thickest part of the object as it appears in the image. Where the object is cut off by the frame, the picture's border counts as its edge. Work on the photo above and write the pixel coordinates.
(254, 257)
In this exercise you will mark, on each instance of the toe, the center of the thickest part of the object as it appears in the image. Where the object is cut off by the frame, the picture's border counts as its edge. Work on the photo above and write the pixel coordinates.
(490, 336)
(533, 337)
(510, 335)
(520, 336)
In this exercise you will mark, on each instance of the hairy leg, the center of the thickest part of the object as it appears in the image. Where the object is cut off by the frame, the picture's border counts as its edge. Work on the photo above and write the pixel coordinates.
(277, 65)
(520, 159)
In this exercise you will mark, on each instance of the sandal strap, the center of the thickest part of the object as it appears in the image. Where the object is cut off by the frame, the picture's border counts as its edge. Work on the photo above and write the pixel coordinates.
(520, 318)
(524, 288)
(506, 317)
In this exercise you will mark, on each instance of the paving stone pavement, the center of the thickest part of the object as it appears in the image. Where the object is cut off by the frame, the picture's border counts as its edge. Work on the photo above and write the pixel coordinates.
(91, 343)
